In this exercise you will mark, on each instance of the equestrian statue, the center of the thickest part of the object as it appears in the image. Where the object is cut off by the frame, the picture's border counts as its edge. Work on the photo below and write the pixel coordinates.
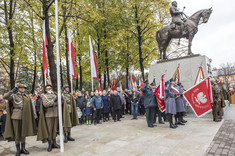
(181, 27)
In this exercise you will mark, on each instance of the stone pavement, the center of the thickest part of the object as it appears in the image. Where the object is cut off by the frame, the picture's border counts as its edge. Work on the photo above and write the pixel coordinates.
(224, 141)
(130, 137)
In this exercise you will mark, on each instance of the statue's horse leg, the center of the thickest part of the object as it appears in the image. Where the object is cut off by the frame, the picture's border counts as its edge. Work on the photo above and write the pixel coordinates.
(190, 38)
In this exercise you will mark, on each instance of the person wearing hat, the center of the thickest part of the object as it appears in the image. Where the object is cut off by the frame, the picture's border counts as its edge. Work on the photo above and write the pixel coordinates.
(184, 109)
(170, 102)
(149, 103)
(20, 121)
(48, 121)
(38, 103)
(69, 99)
(179, 106)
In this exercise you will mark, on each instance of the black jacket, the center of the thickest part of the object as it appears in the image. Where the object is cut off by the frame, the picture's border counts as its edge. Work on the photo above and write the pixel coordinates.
(115, 102)
(81, 102)
(135, 97)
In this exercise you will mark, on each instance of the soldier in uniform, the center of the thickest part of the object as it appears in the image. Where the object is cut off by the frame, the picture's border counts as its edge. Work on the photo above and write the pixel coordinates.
(170, 102)
(69, 99)
(177, 16)
(20, 121)
(215, 105)
(48, 122)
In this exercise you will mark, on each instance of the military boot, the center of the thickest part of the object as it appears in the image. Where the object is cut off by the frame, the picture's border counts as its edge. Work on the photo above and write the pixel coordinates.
(23, 150)
(54, 144)
(176, 120)
(70, 138)
(65, 137)
(180, 119)
(49, 146)
(170, 121)
(17, 149)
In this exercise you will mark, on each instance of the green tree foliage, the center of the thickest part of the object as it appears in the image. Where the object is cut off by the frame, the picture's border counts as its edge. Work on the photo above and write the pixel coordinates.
(122, 32)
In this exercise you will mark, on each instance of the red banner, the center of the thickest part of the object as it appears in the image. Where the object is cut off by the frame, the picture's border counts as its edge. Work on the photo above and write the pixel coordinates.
(160, 100)
(199, 99)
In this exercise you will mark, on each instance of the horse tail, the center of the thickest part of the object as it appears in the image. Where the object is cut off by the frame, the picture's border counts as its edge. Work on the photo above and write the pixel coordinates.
(158, 39)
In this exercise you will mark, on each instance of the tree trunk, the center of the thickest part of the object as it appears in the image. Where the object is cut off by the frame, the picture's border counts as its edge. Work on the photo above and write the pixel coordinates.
(127, 75)
(43, 78)
(141, 60)
(10, 35)
(104, 87)
(61, 75)
(67, 57)
(76, 87)
(34, 73)
(50, 54)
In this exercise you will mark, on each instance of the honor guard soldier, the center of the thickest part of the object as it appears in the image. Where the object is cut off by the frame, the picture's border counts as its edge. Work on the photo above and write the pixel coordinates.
(20, 121)
(48, 122)
(69, 99)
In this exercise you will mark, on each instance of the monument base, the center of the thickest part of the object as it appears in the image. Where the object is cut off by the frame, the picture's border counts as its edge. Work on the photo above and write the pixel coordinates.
(188, 69)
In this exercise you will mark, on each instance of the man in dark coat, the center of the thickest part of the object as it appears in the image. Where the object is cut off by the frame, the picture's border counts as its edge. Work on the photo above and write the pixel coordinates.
(20, 121)
(128, 101)
(81, 104)
(97, 104)
(115, 104)
(106, 103)
(149, 103)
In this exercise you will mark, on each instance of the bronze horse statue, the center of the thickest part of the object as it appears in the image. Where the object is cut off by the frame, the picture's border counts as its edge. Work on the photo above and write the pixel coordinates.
(173, 30)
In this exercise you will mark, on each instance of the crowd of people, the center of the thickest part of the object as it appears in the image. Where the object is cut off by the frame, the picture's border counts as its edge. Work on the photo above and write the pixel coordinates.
(37, 114)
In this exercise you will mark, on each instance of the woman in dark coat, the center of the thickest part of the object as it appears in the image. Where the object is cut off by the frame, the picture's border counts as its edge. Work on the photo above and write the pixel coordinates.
(106, 103)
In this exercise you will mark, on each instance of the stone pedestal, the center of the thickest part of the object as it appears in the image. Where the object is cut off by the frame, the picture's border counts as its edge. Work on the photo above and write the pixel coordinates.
(188, 69)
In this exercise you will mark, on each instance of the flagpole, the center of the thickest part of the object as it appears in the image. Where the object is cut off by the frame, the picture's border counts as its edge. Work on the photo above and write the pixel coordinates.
(45, 78)
(58, 80)
(92, 83)
(71, 84)
(70, 61)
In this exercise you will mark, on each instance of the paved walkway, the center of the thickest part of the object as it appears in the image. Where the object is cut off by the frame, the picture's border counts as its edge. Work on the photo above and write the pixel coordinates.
(224, 140)
(130, 137)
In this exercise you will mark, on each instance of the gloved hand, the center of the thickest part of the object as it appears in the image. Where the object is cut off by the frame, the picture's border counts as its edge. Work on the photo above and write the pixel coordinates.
(56, 99)
(14, 90)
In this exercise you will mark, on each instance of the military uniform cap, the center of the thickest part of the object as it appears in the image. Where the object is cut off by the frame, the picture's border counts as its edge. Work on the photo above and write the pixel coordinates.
(179, 84)
(20, 85)
(66, 86)
(167, 82)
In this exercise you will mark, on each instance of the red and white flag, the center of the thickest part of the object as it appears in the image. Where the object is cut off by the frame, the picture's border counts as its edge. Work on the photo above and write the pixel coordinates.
(44, 55)
(199, 99)
(114, 85)
(71, 50)
(99, 89)
(200, 76)
(94, 72)
(162, 87)
(209, 90)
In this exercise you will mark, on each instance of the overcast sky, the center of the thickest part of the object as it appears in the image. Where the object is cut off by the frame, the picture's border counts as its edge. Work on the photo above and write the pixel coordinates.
(215, 39)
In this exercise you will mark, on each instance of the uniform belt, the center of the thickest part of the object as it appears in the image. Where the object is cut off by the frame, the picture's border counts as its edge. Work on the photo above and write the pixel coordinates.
(52, 106)
(68, 102)
(18, 107)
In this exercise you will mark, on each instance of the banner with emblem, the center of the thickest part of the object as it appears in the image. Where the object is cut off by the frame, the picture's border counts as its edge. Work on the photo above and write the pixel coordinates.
(160, 99)
(199, 99)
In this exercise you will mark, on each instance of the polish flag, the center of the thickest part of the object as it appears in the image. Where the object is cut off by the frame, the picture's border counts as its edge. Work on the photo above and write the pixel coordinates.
(44, 56)
(162, 87)
(71, 50)
(94, 72)
(114, 85)
(99, 89)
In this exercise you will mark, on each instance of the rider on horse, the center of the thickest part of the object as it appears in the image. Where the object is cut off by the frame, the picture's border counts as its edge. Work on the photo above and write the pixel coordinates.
(177, 17)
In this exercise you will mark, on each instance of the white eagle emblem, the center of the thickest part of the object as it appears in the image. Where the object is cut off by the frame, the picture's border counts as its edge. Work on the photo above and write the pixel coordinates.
(201, 98)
